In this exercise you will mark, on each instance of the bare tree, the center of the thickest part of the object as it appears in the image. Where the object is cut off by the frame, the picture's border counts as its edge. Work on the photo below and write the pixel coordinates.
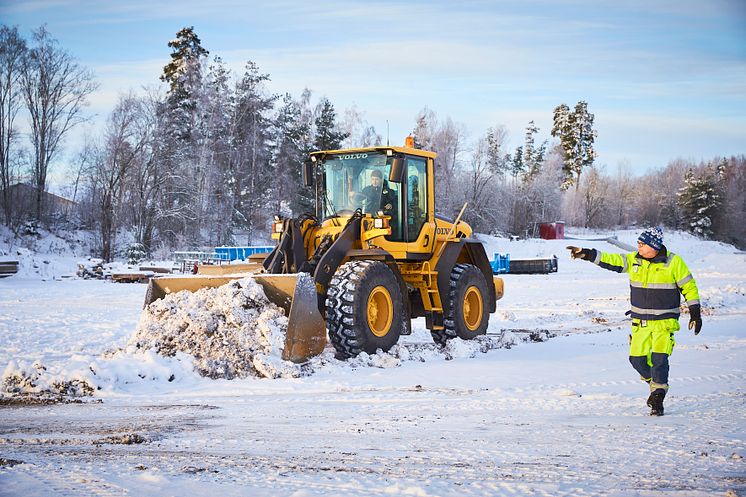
(12, 51)
(622, 187)
(145, 179)
(122, 148)
(55, 89)
(595, 188)
(481, 177)
(359, 132)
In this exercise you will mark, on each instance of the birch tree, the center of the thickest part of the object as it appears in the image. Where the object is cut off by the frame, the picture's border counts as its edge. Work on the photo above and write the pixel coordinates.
(12, 53)
(55, 89)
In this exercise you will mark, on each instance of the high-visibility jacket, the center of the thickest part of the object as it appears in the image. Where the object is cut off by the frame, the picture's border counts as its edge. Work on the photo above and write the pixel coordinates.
(656, 284)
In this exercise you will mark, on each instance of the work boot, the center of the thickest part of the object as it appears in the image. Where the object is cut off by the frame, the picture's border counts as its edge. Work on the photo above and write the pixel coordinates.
(655, 401)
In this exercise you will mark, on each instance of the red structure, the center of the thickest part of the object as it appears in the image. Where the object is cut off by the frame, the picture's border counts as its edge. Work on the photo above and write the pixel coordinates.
(552, 231)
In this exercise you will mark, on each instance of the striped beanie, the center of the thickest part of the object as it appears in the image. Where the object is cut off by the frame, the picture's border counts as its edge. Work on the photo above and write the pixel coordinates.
(652, 237)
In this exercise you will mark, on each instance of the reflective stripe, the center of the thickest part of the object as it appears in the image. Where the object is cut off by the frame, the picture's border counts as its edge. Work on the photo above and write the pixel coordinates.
(655, 312)
(692, 302)
(685, 279)
(624, 270)
(669, 258)
(655, 286)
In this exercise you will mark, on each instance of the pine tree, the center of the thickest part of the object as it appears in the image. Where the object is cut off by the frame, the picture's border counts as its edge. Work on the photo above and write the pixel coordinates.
(184, 72)
(517, 167)
(496, 161)
(328, 137)
(531, 161)
(288, 155)
(576, 134)
(181, 206)
(700, 200)
(251, 164)
(425, 124)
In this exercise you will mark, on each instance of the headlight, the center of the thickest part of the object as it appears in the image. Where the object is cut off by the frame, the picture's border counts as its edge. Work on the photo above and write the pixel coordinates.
(278, 227)
(378, 223)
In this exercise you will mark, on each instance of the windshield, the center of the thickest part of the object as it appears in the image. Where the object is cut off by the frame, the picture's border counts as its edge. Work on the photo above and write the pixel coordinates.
(357, 181)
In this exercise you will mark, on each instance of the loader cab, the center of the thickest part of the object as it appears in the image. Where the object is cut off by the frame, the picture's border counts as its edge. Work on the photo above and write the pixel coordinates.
(350, 180)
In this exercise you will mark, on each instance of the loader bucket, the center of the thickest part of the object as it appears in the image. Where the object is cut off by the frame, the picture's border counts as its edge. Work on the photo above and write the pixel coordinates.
(295, 293)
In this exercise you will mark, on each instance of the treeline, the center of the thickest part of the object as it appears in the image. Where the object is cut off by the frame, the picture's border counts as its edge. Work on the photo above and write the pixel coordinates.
(210, 160)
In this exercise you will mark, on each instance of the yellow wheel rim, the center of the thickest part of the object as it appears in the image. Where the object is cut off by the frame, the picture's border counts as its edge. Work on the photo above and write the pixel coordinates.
(473, 308)
(380, 311)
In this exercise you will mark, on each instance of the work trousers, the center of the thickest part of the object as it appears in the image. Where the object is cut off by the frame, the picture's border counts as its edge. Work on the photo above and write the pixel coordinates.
(650, 344)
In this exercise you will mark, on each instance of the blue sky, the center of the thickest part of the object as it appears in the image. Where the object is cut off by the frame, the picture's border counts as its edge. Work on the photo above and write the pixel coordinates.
(665, 79)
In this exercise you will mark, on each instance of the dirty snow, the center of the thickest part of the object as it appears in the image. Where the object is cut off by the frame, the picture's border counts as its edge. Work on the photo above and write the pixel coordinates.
(545, 404)
(232, 331)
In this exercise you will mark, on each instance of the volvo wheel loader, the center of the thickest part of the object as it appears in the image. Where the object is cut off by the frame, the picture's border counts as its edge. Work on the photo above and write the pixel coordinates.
(373, 256)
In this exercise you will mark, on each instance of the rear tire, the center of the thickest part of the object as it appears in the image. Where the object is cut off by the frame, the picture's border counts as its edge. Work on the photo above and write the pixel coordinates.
(364, 310)
(467, 316)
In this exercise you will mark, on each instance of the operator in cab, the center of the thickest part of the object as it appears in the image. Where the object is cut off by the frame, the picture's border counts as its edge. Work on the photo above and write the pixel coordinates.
(377, 196)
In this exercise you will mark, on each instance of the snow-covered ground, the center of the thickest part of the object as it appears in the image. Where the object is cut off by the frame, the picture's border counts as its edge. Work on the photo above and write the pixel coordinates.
(563, 416)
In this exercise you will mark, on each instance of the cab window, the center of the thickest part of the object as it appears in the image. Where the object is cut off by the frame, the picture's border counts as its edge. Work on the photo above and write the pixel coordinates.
(416, 196)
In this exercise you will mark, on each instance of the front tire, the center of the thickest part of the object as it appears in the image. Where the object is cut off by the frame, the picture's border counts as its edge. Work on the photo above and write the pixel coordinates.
(467, 316)
(364, 309)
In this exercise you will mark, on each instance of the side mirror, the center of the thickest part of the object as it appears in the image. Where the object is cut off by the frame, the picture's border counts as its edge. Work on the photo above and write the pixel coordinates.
(308, 175)
(396, 174)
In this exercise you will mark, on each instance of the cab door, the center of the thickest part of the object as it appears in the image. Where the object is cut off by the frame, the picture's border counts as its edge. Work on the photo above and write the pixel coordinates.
(419, 225)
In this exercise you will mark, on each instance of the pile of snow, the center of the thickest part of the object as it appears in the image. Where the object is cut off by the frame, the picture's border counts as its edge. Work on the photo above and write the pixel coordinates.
(232, 331)
(85, 375)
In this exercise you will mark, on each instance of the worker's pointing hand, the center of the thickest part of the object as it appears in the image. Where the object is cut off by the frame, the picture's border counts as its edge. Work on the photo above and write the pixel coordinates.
(579, 253)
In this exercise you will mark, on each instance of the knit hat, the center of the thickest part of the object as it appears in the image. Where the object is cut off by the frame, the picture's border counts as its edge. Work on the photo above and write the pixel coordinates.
(376, 174)
(652, 237)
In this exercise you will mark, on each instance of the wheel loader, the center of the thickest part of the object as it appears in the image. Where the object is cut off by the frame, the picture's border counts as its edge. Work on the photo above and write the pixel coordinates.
(373, 256)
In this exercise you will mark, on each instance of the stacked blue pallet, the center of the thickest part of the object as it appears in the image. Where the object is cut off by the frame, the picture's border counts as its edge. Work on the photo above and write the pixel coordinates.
(239, 253)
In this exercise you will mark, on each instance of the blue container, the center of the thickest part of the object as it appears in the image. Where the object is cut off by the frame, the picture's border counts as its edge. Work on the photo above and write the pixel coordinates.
(500, 263)
(239, 253)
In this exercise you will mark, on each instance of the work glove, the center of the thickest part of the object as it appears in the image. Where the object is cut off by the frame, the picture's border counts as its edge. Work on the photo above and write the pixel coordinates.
(581, 253)
(695, 318)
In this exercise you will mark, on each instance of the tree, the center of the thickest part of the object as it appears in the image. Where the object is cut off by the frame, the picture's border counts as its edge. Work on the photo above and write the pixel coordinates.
(359, 132)
(12, 52)
(576, 134)
(288, 154)
(699, 200)
(146, 178)
(328, 136)
(184, 77)
(251, 172)
(530, 160)
(216, 101)
(55, 89)
(123, 145)
(594, 198)
(517, 166)
(496, 160)
(622, 187)
(423, 132)
(480, 178)
(730, 226)
(180, 210)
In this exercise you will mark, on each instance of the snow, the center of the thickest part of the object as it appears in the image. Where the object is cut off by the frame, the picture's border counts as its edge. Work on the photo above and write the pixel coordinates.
(545, 404)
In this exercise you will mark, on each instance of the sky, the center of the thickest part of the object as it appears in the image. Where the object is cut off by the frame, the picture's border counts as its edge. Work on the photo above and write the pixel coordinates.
(664, 79)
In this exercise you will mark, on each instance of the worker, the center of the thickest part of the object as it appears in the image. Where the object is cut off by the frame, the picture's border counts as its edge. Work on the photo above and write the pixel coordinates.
(379, 196)
(656, 277)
